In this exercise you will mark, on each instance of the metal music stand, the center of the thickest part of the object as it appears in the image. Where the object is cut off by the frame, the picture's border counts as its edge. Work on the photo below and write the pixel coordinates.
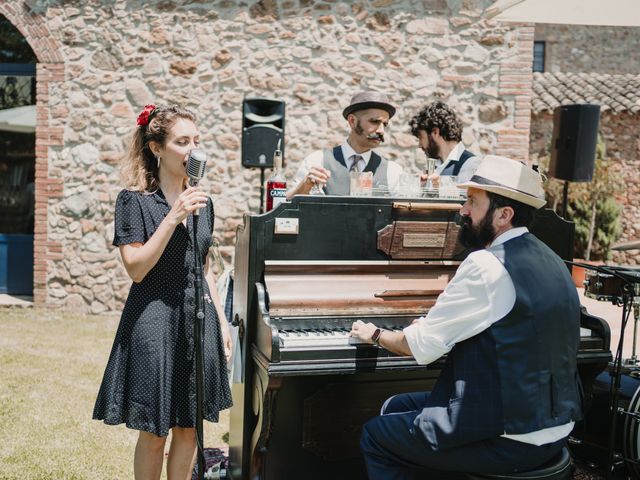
(630, 300)
(631, 245)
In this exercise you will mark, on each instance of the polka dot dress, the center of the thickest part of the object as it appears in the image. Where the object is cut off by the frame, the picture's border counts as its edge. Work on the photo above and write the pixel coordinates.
(149, 383)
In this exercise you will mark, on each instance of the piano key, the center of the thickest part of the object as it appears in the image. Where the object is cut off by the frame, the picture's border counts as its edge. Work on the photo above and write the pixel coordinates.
(324, 339)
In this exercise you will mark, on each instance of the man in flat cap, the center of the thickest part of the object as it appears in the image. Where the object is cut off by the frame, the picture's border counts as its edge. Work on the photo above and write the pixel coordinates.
(509, 394)
(439, 133)
(368, 115)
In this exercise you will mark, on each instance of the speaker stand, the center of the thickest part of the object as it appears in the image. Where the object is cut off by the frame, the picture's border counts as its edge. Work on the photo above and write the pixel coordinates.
(565, 194)
(262, 190)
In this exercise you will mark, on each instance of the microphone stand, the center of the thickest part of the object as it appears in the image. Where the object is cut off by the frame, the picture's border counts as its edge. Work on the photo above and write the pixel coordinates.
(199, 346)
(196, 162)
(614, 392)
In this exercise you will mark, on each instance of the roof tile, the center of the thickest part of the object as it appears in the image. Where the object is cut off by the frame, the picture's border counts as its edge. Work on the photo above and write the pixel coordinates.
(618, 93)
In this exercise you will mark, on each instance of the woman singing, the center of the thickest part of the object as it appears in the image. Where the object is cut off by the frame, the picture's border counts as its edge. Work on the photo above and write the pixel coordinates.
(149, 381)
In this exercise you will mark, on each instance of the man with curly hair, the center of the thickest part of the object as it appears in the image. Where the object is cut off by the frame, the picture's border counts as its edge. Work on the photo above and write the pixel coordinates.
(439, 133)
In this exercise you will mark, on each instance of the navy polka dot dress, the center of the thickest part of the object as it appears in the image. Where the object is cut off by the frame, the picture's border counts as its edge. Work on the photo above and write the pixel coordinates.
(149, 383)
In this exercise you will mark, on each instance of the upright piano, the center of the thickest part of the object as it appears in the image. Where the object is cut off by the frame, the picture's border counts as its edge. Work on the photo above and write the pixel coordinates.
(304, 273)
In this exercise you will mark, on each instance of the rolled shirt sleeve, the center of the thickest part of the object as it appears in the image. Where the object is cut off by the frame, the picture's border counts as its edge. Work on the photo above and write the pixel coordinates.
(480, 293)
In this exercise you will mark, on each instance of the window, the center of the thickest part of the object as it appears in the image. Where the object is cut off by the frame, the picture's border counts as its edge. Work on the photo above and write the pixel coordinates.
(17, 139)
(538, 56)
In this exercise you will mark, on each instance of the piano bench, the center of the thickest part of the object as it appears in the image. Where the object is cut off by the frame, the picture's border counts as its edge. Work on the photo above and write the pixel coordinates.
(558, 468)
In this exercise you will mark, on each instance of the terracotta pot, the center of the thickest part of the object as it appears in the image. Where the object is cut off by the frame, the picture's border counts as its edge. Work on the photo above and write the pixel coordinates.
(578, 273)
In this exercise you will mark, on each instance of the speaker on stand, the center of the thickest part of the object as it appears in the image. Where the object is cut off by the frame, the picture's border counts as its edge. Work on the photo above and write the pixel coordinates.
(262, 131)
(573, 145)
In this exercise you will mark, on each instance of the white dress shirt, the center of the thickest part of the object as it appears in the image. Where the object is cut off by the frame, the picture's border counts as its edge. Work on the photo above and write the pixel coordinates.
(315, 159)
(350, 154)
(480, 293)
(468, 168)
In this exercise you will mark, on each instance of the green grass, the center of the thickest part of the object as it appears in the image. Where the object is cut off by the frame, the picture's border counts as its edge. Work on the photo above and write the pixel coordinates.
(51, 365)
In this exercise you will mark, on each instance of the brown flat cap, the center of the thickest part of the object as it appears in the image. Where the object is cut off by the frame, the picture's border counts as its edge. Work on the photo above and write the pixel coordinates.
(364, 100)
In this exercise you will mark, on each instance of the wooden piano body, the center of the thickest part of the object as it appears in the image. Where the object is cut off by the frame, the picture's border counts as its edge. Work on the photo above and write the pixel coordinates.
(303, 273)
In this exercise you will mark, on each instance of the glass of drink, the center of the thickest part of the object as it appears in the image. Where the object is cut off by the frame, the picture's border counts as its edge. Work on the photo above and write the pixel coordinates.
(409, 184)
(361, 184)
(447, 187)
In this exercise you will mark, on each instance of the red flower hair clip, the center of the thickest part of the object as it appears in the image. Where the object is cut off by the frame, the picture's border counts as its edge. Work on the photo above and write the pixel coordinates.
(143, 118)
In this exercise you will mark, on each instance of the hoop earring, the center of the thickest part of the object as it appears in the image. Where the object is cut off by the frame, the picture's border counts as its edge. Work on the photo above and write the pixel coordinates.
(158, 159)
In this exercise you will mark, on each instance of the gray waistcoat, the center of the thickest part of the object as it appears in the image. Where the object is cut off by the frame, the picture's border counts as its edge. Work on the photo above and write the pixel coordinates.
(340, 181)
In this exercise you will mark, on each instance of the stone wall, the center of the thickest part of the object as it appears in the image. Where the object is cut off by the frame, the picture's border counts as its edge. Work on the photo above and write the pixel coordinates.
(581, 48)
(114, 57)
(621, 134)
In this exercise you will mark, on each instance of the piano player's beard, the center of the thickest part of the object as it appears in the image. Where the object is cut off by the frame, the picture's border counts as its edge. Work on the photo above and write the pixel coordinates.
(477, 236)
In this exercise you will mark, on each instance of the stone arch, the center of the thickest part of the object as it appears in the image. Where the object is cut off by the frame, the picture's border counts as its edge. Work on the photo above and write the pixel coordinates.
(49, 133)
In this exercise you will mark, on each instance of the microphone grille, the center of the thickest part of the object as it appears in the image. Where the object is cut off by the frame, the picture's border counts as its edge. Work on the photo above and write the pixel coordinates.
(196, 164)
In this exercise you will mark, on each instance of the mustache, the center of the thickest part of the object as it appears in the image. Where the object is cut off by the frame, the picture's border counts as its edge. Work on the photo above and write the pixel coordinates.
(376, 136)
(464, 221)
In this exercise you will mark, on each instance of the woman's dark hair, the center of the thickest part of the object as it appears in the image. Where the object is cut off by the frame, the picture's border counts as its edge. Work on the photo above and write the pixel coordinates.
(437, 115)
(522, 214)
(140, 167)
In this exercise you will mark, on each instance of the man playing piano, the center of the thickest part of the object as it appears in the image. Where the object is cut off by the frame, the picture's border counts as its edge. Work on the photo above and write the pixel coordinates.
(329, 171)
(508, 395)
(439, 133)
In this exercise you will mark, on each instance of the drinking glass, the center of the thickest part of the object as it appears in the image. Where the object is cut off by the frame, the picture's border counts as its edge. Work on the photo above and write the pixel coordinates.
(409, 184)
(447, 187)
(361, 184)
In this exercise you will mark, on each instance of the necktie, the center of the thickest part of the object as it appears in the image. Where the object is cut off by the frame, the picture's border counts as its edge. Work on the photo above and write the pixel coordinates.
(354, 165)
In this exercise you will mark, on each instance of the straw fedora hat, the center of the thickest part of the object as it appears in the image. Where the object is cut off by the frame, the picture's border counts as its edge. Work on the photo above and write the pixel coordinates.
(509, 178)
(369, 99)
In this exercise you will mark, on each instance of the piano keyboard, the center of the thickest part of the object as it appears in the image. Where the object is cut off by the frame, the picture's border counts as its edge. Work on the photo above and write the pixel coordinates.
(326, 338)
(319, 338)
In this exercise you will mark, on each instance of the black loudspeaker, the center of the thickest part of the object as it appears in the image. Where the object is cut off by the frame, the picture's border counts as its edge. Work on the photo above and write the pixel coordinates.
(573, 146)
(262, 128)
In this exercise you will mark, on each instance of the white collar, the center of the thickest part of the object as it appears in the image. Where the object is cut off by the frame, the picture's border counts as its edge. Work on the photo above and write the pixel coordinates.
(508, 235)
(348, 152)
(454, 155)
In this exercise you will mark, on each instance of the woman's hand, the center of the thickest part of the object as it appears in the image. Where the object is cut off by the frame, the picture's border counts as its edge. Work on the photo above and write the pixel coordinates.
(188, 202)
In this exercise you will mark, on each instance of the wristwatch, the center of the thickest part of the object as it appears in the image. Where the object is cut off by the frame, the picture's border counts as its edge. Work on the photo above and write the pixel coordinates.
(376, 336)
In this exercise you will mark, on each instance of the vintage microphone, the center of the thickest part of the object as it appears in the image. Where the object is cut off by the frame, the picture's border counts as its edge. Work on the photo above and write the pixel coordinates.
(196, 164)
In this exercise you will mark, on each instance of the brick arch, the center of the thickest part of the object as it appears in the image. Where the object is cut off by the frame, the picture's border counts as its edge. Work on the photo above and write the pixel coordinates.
(35, 31)
(49, 70)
